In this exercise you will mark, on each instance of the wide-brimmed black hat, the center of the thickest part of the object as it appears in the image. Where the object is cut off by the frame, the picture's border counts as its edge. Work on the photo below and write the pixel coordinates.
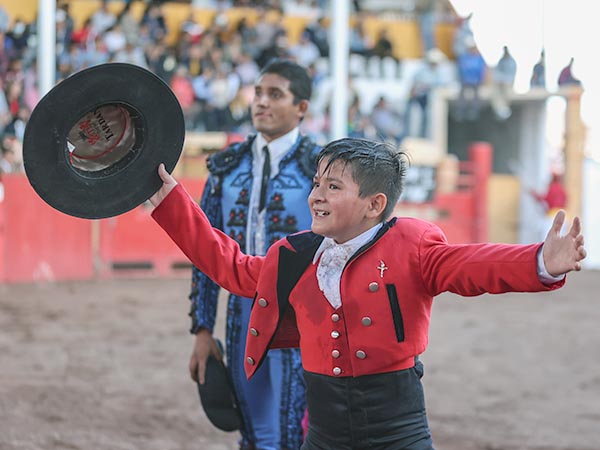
(217, 395)
(93, 144)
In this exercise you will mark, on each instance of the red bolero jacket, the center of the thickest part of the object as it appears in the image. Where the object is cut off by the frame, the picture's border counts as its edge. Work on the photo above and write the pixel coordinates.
(387, 288)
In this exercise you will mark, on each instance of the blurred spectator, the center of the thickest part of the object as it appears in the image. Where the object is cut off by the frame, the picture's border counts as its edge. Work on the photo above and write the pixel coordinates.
(72, 60)
(427, 16)
(17, 37)
(154, 19)
(84, 35)
(247, 69)
(131, 54)
(553, 200)
(384, 50)
(305, 52)
(97, 53)
(425, 81)
(566, 77)
(31, 93)
(278, 50)
(64, 27)
(387, 121)
(102, 19)
(12, 150)
(538, 74)
(161, 60)
(502, 87)
(221, 91)
(237, 115)
(181, 86)
(201, 85)
(360, 43)
(4, 20)
(358, 123)
(266, 32)
(128, 23)
(6, 161)
(463, 36)
(114, 38)
(302, 8)
(471, 69)
(319, 35)
(249, 38)
(17, 126)
(5, 115)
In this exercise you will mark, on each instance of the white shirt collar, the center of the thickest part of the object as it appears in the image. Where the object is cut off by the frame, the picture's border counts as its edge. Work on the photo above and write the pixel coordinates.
(278, 148)
(354, 244)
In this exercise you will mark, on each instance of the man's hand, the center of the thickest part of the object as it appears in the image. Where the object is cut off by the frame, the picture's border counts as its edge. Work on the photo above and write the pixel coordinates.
(168, 184)
(204, 345)
(563, 254)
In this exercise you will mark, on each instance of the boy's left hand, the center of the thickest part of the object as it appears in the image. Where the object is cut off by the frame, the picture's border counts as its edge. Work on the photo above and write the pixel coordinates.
(563, 254)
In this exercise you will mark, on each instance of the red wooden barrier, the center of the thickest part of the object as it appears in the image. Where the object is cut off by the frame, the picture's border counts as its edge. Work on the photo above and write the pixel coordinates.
(133, 244)
(39, 243)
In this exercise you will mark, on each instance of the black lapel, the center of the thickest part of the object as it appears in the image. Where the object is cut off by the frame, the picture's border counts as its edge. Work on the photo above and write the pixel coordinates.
(293, 263)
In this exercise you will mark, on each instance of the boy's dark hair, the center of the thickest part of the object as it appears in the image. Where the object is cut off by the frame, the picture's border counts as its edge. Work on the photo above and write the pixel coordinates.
(300, 82)
(376, 167)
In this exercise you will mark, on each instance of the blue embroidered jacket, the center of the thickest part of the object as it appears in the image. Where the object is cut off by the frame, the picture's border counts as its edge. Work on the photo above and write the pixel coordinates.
(226, 200)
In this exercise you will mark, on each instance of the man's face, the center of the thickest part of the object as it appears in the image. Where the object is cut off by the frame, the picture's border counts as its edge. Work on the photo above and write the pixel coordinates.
(337, 209)
(273, 110)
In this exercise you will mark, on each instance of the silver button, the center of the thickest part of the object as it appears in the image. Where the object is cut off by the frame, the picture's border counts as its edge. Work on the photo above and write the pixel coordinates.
(335, 353)
(262, 302)
(337, 370)
(250, 360)
(253, 331)
(360, 354)
(366, 321)
(335, 317)
(335, 334)
(374, 286)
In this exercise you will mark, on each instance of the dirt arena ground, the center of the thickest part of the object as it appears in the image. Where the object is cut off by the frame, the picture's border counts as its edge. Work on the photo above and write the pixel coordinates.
(102, 365)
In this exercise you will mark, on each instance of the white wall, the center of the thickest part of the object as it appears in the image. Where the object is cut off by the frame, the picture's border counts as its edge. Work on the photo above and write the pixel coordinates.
(591, 213)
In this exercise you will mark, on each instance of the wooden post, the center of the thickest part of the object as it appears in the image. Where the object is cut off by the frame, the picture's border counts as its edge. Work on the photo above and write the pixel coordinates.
(574, 139)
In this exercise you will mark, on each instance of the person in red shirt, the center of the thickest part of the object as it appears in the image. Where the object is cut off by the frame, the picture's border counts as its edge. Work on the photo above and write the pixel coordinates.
(355, 293)
(552, 201)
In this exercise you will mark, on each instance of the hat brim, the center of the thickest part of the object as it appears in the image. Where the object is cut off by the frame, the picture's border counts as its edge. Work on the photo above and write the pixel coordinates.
(119, 187)
(218, 398)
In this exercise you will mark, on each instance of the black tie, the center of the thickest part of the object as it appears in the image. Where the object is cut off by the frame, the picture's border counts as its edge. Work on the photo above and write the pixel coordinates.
(266, 174)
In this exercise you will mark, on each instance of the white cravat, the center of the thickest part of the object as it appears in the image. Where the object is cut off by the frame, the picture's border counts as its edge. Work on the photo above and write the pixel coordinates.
(333, 259)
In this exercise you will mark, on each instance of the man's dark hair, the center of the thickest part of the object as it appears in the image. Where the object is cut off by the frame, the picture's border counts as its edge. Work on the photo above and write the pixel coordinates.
(300, 82)
(376, 167)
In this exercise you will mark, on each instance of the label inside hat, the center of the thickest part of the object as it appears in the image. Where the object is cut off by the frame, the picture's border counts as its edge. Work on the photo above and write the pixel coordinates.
(101, 138)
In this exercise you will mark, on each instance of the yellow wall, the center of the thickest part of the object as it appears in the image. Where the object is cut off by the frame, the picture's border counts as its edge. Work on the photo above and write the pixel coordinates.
(24, 9)
(503, 208)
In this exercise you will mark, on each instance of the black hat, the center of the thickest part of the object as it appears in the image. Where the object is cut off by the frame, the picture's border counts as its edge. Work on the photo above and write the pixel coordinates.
(93, 144)
(217, 396)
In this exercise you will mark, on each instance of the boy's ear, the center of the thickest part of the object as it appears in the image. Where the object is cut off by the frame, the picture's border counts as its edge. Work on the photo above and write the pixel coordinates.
(378, 204)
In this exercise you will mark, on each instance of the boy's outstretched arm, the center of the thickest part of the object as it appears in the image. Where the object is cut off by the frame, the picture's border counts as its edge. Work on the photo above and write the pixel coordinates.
(168, 184)
(563, 254)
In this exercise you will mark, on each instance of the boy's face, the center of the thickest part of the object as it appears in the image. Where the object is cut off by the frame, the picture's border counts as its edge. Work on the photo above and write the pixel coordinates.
(273, 110)
(337, 210)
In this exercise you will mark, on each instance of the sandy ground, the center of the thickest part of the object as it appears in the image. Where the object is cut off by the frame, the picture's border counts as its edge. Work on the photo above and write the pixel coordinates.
(102, 365)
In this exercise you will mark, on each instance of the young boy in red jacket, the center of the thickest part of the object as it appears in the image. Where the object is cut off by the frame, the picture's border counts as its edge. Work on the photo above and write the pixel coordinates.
(356, 292)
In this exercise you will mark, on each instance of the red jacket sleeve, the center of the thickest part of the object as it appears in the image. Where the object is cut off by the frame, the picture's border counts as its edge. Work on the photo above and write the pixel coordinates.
(209, 249)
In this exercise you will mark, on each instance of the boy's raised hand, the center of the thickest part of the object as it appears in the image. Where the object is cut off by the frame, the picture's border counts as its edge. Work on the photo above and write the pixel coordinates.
(563, 254)
(168, 184)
